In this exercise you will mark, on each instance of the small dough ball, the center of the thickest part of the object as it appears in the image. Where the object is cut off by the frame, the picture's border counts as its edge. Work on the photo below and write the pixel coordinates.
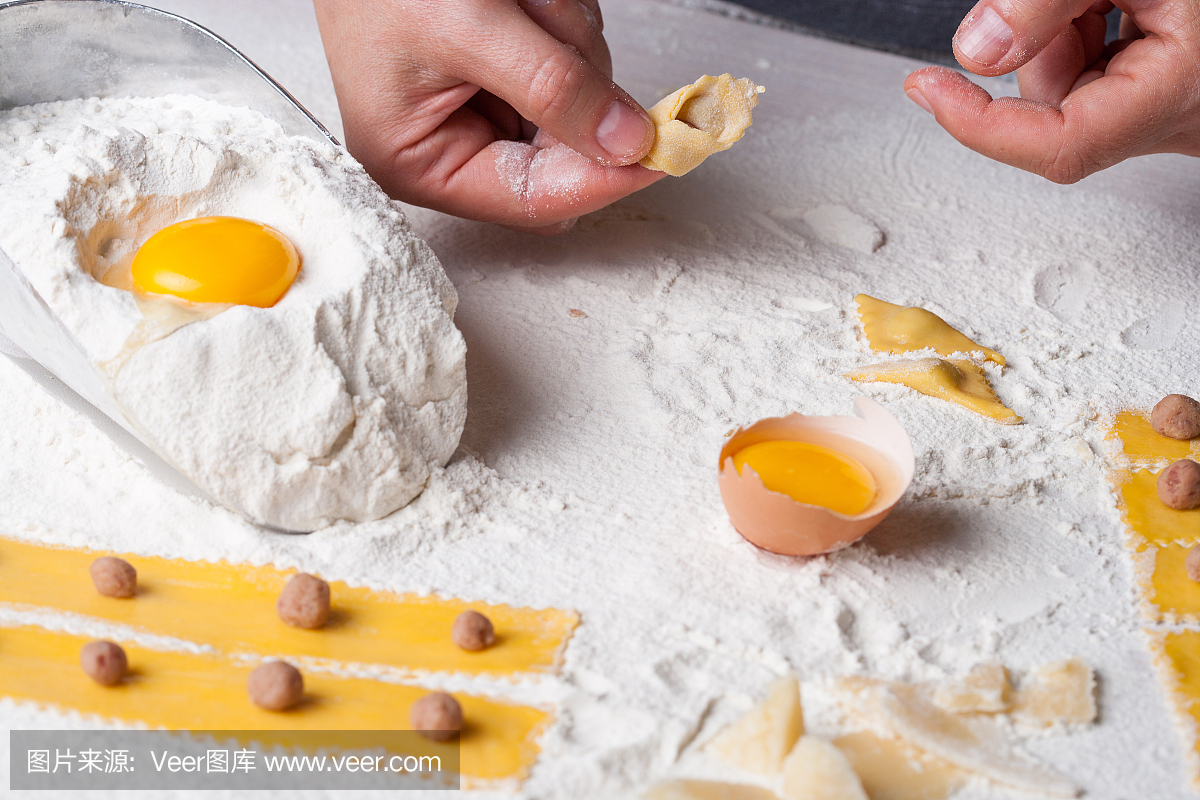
(1179, 485)
(304, 602)
(1192, 564)
(1177, 416)
(275, 686)
(473, 631)
(114, 577)
(104, 662)
(437, 716)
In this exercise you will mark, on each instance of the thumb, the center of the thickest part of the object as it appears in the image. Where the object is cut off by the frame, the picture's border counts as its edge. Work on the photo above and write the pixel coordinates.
(553, 86)
(1000, 35)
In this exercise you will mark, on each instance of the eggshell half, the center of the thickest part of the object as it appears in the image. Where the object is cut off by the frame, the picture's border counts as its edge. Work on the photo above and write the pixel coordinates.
(775, 521)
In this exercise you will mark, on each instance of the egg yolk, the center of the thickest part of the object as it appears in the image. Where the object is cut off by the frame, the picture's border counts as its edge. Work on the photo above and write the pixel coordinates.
(811, 474)
(217, 260)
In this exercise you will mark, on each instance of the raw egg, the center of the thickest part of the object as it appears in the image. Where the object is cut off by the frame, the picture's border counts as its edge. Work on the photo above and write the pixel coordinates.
(800, 485)
(217, 260)
(810, 473)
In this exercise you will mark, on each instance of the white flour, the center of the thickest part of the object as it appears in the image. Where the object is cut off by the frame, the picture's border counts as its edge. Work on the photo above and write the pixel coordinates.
(841, 226)
(587, 475)
(537, 175)
(333, 404)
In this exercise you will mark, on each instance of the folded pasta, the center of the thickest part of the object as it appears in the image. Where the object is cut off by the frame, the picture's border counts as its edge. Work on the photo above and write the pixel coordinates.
(698, 120)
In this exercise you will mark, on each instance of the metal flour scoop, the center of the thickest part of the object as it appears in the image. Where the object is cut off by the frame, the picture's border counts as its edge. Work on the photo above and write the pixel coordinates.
(64, 49)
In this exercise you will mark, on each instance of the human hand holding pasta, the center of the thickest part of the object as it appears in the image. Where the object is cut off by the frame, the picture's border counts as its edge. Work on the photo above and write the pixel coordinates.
(436, 94)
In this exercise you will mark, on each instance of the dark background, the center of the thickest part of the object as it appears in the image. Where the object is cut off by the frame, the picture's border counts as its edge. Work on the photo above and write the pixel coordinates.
(918, 28)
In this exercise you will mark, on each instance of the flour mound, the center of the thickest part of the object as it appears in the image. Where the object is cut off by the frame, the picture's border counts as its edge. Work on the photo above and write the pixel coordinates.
(336, 403)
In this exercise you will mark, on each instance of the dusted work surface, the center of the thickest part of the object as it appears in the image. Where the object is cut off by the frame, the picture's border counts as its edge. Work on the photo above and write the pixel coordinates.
(606, 366)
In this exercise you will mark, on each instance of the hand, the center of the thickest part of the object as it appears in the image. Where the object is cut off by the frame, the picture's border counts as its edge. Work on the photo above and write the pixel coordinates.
(496, 110)
(1084, 106)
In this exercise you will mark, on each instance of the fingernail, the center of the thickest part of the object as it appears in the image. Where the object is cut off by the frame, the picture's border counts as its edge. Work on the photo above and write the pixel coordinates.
(587, 12)
(623, 131)
(918, 98)
(986, 38)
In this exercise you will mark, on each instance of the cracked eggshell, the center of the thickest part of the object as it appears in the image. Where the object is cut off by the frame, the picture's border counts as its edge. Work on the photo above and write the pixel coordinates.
(776, 522)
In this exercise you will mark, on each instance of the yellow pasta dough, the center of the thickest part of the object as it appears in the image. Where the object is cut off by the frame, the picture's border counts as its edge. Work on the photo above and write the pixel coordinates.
(955, 380)
(195, 600)
(985, 689)
(897, 329)
(1146, 447)
(892, 769)
(698, 120)
(1060, 693)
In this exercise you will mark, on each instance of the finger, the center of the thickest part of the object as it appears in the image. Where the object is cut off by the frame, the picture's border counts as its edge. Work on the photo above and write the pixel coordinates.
(1093, 29)
(461, 170)
(1048, 78)
(1054, 72)
(572, 23)
(523, 186)
(1095, 73)
(553, 86)
(1000, 35)
(1097, 126)
(594, 7)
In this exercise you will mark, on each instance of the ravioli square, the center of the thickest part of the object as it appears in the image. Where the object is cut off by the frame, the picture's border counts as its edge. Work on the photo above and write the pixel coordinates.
(1149, 520)
(1177, 659)
(1146, 447)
